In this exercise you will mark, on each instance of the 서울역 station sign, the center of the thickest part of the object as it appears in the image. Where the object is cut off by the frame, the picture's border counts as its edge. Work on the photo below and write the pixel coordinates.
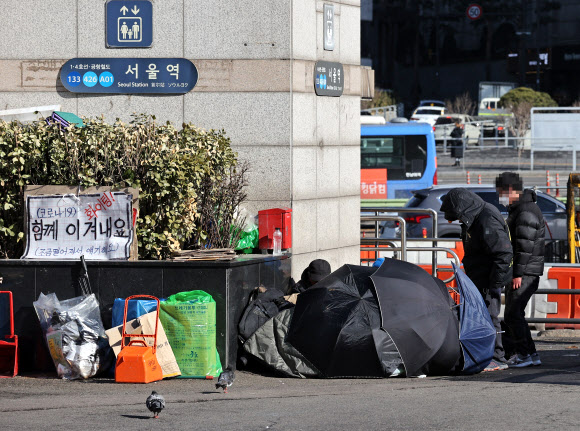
(129, 75)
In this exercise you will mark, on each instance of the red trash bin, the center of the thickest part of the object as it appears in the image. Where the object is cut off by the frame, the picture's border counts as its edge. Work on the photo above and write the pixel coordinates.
(268, 221)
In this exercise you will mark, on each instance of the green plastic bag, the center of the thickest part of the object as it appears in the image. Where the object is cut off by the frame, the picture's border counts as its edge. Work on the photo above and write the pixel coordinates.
(189, 320)
(248, 240)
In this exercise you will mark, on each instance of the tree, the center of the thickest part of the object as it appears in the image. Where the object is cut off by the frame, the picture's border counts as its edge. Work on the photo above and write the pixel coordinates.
(514, 97)
(519, 102)
(462, 104)
(382, 98)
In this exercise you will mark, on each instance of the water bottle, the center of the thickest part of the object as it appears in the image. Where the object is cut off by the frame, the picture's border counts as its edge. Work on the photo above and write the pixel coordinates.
(277, 242)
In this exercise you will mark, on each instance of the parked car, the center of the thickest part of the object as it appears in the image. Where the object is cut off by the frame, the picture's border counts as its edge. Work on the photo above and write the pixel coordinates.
(554, 212)
(445, 124)
(428, 114)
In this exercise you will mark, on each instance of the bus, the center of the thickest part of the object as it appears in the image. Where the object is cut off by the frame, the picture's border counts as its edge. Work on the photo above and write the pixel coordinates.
(397, 158)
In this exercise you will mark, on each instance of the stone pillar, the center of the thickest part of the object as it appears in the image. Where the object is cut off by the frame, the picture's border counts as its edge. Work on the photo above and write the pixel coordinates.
(256, 64)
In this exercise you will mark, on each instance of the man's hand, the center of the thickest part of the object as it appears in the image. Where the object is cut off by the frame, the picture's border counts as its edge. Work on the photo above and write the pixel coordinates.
(517, 283)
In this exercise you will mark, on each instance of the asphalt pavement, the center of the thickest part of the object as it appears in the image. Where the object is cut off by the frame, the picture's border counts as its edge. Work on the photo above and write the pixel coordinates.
(535, 398)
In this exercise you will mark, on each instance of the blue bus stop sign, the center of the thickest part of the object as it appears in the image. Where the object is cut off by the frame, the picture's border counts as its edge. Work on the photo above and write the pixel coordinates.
(129, 75)
(129, 24)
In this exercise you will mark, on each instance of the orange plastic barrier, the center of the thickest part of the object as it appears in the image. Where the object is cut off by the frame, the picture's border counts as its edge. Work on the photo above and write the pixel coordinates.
(568, 305)
(370, 254)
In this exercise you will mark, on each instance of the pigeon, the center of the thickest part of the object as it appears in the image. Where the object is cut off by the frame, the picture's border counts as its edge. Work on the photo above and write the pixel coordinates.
(225, 380)
(155, 403)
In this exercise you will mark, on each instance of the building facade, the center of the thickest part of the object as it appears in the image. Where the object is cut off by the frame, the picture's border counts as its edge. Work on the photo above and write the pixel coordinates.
(256, 81)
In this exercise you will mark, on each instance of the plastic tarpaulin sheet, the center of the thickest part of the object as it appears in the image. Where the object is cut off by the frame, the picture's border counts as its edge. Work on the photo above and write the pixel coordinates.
(269, 346)
(135, 309)
(476, 330)
(189, 319)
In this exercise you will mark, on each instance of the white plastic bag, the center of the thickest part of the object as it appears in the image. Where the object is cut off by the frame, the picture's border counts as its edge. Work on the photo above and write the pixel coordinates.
(75, 335)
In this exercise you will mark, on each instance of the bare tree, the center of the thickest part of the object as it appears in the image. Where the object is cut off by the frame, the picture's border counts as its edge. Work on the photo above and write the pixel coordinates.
(462, 104)
(218, 203)
(521, 116)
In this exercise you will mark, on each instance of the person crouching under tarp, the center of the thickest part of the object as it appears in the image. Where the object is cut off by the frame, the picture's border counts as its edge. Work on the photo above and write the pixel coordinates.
(316, 271)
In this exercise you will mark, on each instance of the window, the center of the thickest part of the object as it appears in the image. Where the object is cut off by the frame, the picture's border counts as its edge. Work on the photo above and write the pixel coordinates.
(492, 198)
(429, 112)
(444, 120)
(404, 157)
(548, 206)
(415, 201)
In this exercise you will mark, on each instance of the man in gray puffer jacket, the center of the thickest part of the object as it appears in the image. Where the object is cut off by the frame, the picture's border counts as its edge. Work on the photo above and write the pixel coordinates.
(527, 229)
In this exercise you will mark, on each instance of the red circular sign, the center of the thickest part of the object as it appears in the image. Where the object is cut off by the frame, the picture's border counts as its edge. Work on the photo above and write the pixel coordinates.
(474, 11)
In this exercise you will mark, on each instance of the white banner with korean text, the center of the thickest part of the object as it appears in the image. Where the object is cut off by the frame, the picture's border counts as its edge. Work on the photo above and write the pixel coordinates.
(67, 226)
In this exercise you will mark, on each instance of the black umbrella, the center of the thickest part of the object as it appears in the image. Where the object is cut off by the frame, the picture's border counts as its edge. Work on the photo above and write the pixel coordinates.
(417, 313)
(336, 326)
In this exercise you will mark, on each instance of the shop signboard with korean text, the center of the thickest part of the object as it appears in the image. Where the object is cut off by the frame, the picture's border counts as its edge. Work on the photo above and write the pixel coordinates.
(129, 75)
(328, 78)
(99, 226)
(373, 184)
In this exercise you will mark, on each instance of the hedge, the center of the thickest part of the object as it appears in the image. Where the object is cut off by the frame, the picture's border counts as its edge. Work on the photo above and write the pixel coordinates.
(173, 169)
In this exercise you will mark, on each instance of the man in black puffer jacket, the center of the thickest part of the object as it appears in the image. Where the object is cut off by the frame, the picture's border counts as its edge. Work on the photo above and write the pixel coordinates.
(488, 253)
(527, 228)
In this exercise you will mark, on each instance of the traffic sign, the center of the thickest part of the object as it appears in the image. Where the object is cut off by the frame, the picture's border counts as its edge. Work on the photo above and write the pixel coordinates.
(328, 78)
(129, 75)
(129, 24)
(474, 11)
(329, 27)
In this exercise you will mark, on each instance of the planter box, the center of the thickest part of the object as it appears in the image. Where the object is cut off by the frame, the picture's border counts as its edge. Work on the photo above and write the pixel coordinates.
(229, 283)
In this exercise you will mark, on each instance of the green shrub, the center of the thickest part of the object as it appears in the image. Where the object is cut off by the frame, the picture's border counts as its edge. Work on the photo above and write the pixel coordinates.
(518, 95)
(170, 167)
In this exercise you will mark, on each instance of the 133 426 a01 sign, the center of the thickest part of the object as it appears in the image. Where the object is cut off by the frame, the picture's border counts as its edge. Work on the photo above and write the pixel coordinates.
(62, 227)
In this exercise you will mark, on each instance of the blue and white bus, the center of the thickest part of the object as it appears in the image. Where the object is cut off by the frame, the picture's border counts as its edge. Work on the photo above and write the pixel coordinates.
(405, 150)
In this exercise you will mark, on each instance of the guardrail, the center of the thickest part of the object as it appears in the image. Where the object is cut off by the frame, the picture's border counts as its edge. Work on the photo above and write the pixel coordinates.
(433, 249)
(377, 218)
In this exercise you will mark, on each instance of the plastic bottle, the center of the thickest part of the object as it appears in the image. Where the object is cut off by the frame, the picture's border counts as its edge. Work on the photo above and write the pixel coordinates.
(277, 242)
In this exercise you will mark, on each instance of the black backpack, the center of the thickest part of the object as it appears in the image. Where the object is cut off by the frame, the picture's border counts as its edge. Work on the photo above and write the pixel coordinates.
(261, 308)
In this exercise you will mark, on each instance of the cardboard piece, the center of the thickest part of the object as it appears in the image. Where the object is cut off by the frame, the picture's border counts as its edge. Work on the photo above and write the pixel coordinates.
(146, 325)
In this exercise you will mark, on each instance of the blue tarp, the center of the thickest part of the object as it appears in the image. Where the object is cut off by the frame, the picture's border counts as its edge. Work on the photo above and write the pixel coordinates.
(136, 308)
(476, 330)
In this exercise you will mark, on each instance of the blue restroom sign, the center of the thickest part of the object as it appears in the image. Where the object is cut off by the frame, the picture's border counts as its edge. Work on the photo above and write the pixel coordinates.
(129, 24)
(328, 78)
(129, 75)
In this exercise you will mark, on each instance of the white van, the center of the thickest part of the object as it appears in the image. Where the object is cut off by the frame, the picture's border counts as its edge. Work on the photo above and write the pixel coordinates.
(490, 106)
(372, 119)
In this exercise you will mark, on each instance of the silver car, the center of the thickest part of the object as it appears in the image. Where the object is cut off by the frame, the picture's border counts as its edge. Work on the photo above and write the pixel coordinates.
(421, 224)
(445, 124)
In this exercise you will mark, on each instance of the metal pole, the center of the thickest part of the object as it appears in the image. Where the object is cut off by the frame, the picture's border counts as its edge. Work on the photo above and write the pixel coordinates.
(435, 235)
(376, 234)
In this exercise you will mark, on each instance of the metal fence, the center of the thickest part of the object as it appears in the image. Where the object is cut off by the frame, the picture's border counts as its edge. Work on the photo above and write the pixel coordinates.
(522, 154)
